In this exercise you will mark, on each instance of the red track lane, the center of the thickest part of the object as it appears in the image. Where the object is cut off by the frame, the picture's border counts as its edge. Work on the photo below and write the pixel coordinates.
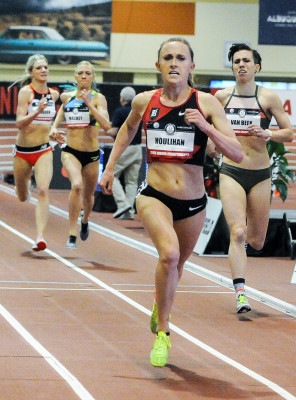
(75, 324)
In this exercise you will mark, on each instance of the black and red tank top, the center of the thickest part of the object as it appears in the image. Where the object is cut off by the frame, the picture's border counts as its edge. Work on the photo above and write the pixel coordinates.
(168, 138)
(47, 115)
(242, 111)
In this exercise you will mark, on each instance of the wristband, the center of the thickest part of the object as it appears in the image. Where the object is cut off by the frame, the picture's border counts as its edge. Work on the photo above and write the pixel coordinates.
(269, 135)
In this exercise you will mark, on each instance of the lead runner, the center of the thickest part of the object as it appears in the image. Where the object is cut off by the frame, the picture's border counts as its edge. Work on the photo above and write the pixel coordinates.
(171, 202)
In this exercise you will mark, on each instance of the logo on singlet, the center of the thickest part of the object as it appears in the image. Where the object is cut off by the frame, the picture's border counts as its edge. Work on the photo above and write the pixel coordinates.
(194, 208)
(154, 113)
(242, 113)
(170, 129)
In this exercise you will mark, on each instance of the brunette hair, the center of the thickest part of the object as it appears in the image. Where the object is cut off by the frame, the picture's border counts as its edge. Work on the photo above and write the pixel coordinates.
(243, 46)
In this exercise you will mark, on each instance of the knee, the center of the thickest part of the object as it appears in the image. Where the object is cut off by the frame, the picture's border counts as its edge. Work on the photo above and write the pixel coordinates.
(21, 194)
(42, 192)
(238, 233)
(77, 188)
(169, 259)
(22, 198)
(257, 242)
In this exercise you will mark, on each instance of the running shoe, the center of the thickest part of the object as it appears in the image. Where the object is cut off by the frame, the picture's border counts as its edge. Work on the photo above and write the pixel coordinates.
(242, 304)
(84, 231)
(71, 244)
(39, 245)
(159, 353)
(128, 216)
(121, 211)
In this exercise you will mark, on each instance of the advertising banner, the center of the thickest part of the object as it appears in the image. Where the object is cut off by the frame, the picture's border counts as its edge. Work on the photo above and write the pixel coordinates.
(213, 211)
(277, 22)
(65, 32)
(288, 98)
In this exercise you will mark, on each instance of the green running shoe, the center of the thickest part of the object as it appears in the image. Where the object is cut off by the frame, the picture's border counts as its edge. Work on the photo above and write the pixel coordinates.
(242, 304)
(159, 353)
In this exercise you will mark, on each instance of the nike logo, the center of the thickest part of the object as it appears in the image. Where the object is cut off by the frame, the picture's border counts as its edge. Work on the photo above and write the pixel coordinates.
(194, 208)
(181, 113)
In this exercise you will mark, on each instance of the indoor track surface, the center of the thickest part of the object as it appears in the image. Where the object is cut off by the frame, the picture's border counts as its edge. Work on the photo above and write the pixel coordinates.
(75, 324)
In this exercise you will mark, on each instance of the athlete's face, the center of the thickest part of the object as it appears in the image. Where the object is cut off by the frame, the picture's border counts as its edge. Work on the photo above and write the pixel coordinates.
(243, 65)
(40, 70)
(175, 63)
(84, 76)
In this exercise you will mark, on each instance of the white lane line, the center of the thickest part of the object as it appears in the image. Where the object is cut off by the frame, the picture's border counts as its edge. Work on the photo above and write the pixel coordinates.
(150, 285)
(45, 283)
(273, 386)
(81, 392)
(57, 289)
(98, 290)
(257, 295)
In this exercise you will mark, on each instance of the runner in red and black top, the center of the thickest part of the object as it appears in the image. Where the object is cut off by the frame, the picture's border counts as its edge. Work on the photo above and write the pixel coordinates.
(245, 188)
(171, 203)
(168, 137)
(35, 112)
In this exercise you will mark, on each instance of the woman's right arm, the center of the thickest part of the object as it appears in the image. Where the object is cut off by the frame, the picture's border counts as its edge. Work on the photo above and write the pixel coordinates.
(23, 119)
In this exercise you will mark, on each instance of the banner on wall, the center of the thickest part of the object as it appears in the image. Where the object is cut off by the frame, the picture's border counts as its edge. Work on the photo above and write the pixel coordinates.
(277, 22)
(213, 211)
(66, 32)
(288, 98)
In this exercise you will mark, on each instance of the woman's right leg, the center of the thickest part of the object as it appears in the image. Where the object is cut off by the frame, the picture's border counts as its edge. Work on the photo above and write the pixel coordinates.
(157, 220)
(234, 203)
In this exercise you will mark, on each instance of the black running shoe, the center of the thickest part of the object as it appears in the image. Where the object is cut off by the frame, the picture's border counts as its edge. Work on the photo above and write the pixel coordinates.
(84, 231)
(71, 244)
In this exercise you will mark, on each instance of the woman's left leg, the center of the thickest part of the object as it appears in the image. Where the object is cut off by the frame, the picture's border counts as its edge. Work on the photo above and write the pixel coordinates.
(188, 231)
(89, 182)
(258, 206)
(43, 176)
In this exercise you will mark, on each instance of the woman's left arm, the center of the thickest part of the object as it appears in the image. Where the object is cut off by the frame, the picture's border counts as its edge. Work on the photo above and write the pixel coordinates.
(219, 130)
(285, 131)
(274, 108)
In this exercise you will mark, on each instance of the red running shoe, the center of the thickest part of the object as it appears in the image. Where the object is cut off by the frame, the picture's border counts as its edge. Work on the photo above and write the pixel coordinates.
(39, 245)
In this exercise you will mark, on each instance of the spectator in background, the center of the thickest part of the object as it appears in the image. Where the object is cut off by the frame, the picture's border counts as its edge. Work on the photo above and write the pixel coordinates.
(130, 161)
